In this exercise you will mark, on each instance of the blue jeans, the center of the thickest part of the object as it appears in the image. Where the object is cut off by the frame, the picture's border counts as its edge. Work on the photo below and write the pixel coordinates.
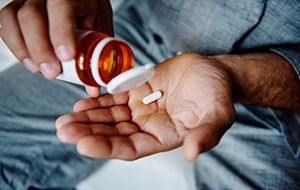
(31, 156)
(253, 154)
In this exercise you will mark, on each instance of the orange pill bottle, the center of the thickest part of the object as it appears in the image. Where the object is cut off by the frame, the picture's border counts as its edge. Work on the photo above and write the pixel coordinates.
(99, 58)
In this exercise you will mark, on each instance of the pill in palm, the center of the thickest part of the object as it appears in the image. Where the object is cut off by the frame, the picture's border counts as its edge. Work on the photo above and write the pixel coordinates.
(152, 97)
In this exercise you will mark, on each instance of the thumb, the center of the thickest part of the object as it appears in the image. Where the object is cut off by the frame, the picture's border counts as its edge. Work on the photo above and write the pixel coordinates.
(207, 135)
(93, 92)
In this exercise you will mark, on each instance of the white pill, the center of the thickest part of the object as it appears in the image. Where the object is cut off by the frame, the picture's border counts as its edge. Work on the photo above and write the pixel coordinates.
(152, 97)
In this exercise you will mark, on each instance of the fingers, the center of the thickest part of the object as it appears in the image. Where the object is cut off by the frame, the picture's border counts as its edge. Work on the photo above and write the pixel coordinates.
(11, 34)
(93, 92)
(104, 101)
(34, 27)
(96, 137)
(199, 140)
(25, 32)
(61, 16)
(74, 132)
(41, 33)
(209, 133)
(132, 147)
(111, 115)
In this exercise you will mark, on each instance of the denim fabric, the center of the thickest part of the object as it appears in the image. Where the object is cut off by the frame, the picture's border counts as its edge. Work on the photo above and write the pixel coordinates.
(218, 27)
(251, 155)
(259, 152)
(31, 156)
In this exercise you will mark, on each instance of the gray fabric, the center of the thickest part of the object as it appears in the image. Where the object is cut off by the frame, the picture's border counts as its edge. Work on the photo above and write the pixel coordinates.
(30, 153)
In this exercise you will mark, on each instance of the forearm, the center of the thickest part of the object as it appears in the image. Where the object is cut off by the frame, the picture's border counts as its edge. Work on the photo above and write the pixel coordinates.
(263, 79)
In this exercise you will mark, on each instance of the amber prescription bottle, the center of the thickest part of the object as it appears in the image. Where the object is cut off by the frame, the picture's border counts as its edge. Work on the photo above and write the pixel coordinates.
(98, 60)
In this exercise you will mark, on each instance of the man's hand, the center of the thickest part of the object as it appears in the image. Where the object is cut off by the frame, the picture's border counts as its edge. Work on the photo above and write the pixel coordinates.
(196, 109)
(41, 33)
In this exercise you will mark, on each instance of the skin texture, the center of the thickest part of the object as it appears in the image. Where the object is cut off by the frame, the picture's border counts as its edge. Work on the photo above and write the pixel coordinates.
(196, 100)
(195, 111)
(41, 33)
(196, 108)
(264, 79)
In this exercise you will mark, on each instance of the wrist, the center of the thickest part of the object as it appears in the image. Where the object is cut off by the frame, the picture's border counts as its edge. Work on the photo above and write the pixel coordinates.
(235, 68)
(263, 79)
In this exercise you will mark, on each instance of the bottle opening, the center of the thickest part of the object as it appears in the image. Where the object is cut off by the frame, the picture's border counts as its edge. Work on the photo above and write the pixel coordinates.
(116, 57)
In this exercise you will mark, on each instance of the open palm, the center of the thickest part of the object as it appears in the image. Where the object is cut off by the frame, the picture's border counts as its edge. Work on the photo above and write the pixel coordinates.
(196, 109)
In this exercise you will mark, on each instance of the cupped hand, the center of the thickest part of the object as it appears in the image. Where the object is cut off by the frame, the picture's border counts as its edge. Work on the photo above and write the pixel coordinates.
(196, 109)
(41, 33)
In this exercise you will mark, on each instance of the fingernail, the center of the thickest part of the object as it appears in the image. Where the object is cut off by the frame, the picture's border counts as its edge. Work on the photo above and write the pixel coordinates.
(48, 70)
(64, 53)
(30, 65)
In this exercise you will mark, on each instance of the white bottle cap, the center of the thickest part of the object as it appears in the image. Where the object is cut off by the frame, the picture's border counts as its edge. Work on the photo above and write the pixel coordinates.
(131, 78)
(123, 82)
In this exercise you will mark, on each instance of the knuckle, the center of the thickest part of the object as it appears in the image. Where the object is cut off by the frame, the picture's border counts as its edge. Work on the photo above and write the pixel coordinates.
(60, 34)
(27, 12)
(56, 3)
(5, 11)
(63, 31)
(38, 50)
(18, 52)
